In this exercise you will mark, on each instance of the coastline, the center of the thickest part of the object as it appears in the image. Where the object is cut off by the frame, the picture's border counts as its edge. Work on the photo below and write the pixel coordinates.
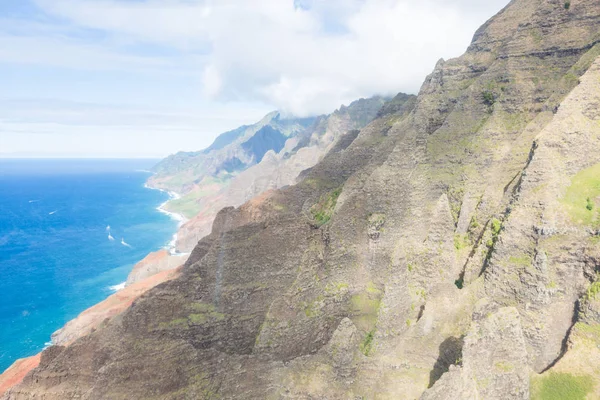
(122, 288)
(121, 297)
(180, 218)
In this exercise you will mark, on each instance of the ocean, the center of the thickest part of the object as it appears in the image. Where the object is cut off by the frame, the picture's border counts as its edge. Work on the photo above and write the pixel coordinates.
(56, 255)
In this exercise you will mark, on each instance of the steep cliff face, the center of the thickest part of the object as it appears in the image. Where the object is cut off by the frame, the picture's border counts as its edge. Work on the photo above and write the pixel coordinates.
(202, 177)
(277, 170)
(198, 174)
(446, 252)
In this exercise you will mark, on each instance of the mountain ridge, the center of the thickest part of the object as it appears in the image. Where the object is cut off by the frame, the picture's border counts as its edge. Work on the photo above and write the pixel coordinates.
(445, 250)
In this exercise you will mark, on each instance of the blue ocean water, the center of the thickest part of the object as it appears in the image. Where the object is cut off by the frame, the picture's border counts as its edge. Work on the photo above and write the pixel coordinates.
(56, 258)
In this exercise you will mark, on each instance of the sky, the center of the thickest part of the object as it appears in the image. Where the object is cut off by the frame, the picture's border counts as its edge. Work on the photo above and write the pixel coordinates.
(148, 78)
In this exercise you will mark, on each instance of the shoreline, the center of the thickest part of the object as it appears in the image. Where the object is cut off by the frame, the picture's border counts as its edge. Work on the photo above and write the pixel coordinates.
(118, 288)
(171, 246)
(180, 218)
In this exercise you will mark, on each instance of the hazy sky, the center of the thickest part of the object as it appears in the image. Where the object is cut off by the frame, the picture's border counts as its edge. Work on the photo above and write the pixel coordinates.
(122, 78)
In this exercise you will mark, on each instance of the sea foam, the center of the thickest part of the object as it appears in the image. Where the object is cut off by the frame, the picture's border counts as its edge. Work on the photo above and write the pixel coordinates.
(180, 218)
(116, 288)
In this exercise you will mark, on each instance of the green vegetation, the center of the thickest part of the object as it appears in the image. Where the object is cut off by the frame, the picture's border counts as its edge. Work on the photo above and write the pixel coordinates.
(313, 308)
(455, 196)
(474, 223)
(336, 288)
(376, 220)
(199, 387)
(202, 313)
(580, 198)
(561, 386)
(522, 261)
(460, 283)
(461, 241)
(174, 324)
(537, 36)
(365, 308)
(189, 204)
(571, 79)
(197, 319)
(593, 291)
(504, 366)
(567, 4)
(489, 98)
(373, 289)
(591, 332)
(367, 343)
(585, 62)
(323, 210)
(496, 227)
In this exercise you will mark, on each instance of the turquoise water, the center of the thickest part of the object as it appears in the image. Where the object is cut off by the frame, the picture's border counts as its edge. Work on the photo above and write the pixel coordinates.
(56, 258)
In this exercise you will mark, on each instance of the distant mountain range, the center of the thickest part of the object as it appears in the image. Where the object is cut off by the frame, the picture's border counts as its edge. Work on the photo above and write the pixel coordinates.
(246, 161)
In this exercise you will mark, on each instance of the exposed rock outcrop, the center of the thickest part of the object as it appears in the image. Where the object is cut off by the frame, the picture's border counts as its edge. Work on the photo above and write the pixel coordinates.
(154, 263)
(95, 316)
(15, 374)
(279, 169)
(494, 361)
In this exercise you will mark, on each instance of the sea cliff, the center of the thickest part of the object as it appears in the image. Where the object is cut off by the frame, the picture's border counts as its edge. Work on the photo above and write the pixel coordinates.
(447, 249)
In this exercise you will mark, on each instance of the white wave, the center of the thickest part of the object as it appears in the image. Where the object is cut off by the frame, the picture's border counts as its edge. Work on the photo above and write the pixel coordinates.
(33, 201)
(180, 218)
(107, 228)
(110, 237)
(53, 212)
(172, 246)
(174, 216)
(118, 287)
(125, 244)
(172, 195)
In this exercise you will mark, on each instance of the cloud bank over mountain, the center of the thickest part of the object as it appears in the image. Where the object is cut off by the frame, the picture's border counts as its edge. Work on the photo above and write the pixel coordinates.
(305, 57)
(300, 56)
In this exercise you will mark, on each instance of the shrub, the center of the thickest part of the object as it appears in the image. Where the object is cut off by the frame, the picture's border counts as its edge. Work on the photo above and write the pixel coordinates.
(367, 343)
(589, 205)
(461, 241)
(593, 291)
(496, 226)
(323, 210)
(489, 98)
(567, 4)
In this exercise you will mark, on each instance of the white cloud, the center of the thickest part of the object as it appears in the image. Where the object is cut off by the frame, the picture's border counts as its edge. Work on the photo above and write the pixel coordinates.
(169, 75)
(52, 127)
(306, 56)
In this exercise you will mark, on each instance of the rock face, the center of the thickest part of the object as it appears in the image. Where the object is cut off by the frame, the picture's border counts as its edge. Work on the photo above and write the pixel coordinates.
(493, 360)
(277, 170)
(154, 263)
(95, 316)
(202, 177)
(15, 374)
(231, 152)
(445, 252)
